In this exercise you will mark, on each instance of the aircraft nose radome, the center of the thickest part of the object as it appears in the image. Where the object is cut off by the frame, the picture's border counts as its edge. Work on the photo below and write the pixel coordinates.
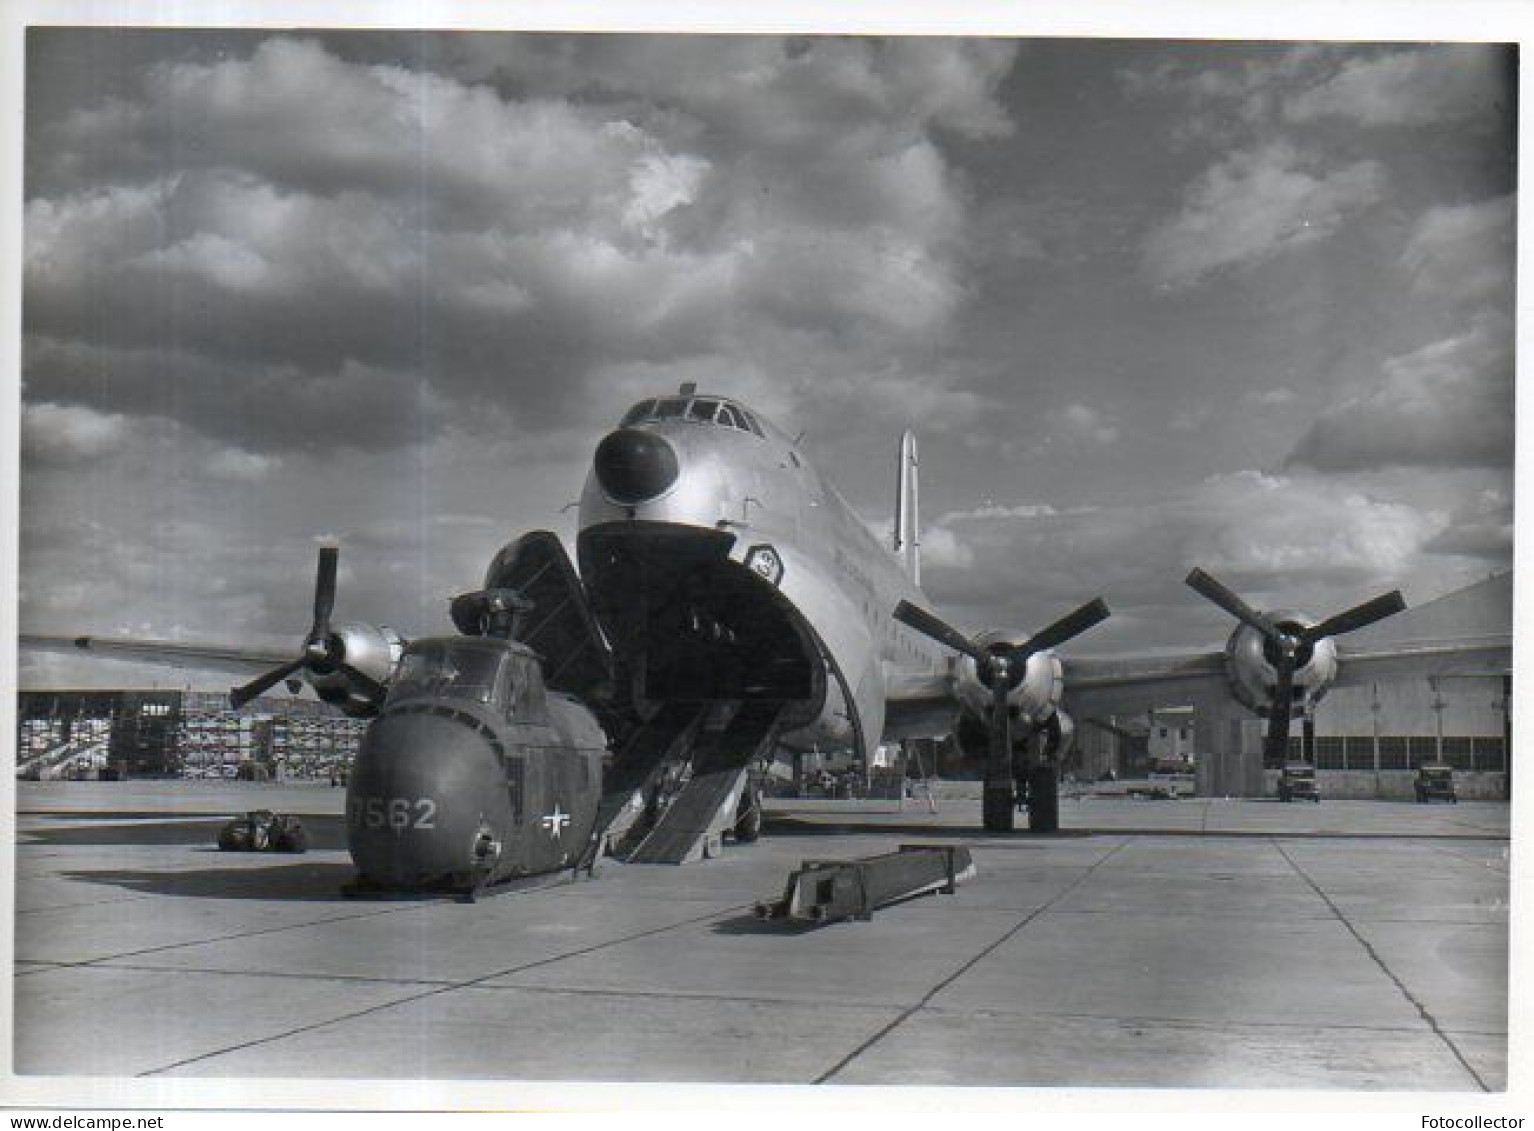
(634, 466)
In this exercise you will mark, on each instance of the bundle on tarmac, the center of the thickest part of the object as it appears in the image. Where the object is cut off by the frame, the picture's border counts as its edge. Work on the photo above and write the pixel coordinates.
(261, 830)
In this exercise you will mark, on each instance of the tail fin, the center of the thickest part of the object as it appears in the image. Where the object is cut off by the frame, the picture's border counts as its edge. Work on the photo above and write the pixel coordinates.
(907, 538)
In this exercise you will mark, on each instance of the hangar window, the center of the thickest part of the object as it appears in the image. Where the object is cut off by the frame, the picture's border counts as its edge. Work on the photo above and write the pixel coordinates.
(1329, 752)
(1393, 752)
(1489, 754)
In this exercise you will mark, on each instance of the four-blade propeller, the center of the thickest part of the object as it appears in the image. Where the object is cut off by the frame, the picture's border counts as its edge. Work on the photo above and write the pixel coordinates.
(323, 652)
(1289, 650)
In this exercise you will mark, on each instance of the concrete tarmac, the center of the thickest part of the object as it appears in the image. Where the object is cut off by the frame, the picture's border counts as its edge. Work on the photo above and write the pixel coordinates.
(1150, 944)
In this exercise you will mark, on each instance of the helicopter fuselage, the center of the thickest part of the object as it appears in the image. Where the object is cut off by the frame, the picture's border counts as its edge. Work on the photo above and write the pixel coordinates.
(472, 774)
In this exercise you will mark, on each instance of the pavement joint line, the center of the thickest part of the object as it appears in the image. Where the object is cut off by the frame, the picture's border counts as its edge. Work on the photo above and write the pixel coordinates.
(38, 968)
(905, 1014)
(365, 979)
(234, 937)
(436, 991)
(1374, 955)
(692, 995)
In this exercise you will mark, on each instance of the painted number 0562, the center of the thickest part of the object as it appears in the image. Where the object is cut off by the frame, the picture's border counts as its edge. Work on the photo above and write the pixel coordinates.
(396, 813)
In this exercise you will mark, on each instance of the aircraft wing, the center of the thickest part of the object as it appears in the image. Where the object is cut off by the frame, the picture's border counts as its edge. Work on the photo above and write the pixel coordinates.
(169, 653)
(1106, 684)
(1094, 684)
(1425, 659)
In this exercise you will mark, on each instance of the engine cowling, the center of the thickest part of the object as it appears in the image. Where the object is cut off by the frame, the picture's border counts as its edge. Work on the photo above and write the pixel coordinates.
(1033, 697)
(1067, 731)
(1249, 664)
(372, 649)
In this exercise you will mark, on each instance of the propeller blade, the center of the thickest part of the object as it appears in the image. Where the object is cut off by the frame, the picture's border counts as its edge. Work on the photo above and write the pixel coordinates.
(930, 624)
(1210, 589)
(1066, 628)
(239, 696)
(324, 590)
(1277, 745)
(1360, 616)
(363, 682)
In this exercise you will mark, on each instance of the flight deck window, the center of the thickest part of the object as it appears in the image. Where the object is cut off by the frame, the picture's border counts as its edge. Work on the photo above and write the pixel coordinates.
(527, 692)
(452, 671)
(702, 410)
(750, 421)
(670, 409)
(727, 415)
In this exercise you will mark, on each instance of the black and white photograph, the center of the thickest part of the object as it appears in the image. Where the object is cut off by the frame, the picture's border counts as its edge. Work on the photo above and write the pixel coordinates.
(597, 555)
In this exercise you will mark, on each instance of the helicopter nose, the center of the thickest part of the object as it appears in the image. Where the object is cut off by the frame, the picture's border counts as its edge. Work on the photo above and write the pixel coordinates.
(426, 802)
(634, 465)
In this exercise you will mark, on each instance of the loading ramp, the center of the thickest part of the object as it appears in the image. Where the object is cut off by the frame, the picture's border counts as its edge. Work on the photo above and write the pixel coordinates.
(693, 826)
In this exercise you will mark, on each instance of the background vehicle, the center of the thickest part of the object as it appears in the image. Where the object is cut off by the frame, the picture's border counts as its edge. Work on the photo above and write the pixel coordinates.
(1298, 780)
(1435, 783)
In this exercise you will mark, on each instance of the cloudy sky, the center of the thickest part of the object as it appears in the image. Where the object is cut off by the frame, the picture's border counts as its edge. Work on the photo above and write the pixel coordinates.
(1147, 305)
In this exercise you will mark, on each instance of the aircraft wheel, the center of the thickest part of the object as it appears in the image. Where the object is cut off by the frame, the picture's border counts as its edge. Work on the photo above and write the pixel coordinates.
(997, 809)
(748, 817)
(1043, 799)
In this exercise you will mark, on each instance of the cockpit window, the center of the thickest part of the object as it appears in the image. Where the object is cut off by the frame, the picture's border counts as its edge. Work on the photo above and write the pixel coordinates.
(451, 670)
(700, 410)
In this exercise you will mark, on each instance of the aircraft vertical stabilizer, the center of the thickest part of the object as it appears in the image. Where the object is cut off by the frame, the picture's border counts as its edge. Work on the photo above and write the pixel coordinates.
(907, 535)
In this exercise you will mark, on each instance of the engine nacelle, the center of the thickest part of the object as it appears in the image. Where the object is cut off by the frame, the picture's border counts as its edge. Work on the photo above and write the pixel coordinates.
(1032, 699)
(1249, 665)
(373, 650)
(1067, 740)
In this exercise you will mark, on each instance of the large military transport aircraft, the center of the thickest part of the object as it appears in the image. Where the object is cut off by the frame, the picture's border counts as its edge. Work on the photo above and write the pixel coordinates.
(729, 606)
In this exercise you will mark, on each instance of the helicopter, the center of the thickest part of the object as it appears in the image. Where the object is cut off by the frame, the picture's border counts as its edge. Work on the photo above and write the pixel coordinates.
(472, 773)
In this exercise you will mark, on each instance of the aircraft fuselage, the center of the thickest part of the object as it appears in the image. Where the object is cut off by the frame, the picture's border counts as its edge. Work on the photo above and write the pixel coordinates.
(722, 565)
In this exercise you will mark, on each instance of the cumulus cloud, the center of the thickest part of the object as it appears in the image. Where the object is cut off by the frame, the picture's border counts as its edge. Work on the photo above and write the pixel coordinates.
(503, 226)
(69, 434)
(1272, 527)
(1252, 206)
(1076, 424)
(1448, 404)
(1275, 537)
(1463, 254)
(1413, 87)
(241, 467)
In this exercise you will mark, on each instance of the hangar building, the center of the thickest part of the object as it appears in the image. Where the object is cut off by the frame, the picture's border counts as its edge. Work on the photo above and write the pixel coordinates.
(172, 733)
